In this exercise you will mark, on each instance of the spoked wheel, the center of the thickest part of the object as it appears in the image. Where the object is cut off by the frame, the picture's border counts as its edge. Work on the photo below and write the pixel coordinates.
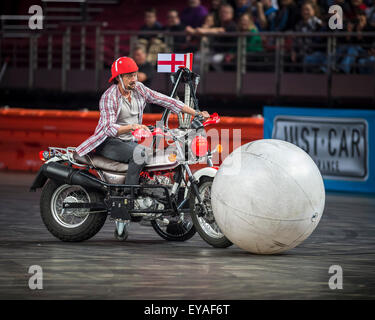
(176, 230)
(205, 224)
(70, 224)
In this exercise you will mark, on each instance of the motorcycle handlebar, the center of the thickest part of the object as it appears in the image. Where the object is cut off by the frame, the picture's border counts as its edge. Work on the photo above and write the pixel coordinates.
(198, 122)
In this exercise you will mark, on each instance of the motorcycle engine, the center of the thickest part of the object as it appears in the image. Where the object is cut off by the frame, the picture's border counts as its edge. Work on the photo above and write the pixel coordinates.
(148, 202)
(157, 178)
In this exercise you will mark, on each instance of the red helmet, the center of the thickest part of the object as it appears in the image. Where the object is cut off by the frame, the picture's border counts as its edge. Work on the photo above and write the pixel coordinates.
(123, 65)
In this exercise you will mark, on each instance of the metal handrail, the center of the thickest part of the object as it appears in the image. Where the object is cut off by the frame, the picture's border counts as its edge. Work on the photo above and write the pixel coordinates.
(182, 33)
(99, 33)
(238, 34)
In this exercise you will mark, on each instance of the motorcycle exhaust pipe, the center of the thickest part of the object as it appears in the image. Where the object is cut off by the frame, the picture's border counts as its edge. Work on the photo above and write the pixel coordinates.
(69, 175)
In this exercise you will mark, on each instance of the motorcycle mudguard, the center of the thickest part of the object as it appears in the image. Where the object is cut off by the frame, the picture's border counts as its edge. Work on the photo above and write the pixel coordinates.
(208, 171)
(39, 180)
(205, 172)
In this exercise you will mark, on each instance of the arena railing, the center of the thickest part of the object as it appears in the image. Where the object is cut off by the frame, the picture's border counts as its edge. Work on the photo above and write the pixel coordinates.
(89, 46)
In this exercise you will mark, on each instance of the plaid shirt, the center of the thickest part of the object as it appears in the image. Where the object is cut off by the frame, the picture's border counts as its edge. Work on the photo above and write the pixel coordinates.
(109, 107)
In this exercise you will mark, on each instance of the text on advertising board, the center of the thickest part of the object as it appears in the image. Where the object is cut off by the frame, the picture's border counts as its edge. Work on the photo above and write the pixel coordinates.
(338, 146)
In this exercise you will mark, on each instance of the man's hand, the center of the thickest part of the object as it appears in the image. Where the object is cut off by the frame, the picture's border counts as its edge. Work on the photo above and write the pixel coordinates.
(137, 126)
(191, 111)
(204, 114)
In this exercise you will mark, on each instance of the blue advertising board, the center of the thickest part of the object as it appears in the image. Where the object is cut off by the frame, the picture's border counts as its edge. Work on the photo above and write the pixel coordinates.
(341, 142)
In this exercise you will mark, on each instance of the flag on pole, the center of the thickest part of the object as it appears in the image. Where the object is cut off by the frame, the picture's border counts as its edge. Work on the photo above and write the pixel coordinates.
(170, 62)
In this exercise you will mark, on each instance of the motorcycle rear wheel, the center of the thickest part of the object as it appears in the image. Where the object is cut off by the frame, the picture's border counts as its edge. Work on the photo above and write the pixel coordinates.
(71, 225)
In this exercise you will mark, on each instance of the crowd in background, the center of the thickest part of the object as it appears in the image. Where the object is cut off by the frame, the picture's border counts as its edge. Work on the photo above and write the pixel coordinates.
(353, 54)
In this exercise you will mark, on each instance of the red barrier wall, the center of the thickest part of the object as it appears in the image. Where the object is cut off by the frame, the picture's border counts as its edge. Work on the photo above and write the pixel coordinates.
(23, 133)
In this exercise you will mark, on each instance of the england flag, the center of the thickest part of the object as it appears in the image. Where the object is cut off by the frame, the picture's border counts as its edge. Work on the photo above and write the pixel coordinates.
(170, 62)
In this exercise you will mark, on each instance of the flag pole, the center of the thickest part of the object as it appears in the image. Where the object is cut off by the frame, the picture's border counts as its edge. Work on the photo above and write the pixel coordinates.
(188, 101)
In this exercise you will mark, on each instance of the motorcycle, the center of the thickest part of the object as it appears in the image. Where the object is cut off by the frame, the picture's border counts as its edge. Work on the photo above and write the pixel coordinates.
(78, 193)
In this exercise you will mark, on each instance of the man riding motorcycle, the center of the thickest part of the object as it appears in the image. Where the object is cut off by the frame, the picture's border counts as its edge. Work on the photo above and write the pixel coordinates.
(79, 190)
(121, 110)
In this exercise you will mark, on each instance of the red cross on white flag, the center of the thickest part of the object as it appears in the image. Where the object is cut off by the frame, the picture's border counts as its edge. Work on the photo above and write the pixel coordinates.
(169, 62)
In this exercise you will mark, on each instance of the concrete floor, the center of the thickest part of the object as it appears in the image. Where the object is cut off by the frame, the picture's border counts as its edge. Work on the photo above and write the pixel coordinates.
(147, 267)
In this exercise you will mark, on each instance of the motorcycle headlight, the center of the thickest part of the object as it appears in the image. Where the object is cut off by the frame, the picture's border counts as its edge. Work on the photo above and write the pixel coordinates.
(199, 146)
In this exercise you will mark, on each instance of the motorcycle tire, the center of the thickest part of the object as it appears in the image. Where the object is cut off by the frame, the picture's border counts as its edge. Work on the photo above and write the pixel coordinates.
(175, 231)
(206, 229)
(86, 229)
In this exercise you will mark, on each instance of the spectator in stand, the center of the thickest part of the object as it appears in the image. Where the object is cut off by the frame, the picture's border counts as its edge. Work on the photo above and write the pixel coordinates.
(266, 14)
(153, 44)
(370, 14)
(242, 6)
(351, 48)
(226, 18)
(310, 21)
(223, 46)
(287, 16)
(220, 47)
(195, 34)
(145, 68)
(253, 43)
(207, 27)
(194, 14)
(215, 6)
(150, 23)
(309, 49)
(174, 25)
(367, 63)
(246, 24)
(356, 7)
(317, 7)
(194, 39)
(226, 24)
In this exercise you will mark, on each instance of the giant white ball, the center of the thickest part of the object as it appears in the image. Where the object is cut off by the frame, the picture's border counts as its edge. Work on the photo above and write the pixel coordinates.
(268, 196)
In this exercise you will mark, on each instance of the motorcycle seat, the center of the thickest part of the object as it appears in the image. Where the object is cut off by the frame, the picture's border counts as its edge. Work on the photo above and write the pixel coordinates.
(101, 162)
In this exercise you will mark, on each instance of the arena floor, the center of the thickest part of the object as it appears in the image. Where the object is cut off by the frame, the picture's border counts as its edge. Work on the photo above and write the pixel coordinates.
(147, 267)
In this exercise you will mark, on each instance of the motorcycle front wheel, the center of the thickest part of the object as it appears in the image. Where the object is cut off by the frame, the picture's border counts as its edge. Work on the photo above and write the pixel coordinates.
(205, 224)
(71, 225)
